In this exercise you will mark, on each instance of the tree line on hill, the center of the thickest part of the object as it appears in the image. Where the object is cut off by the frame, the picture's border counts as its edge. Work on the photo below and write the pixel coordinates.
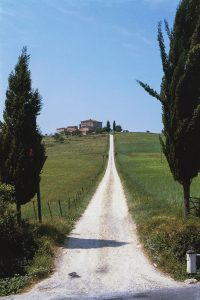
(107, 128)
(59, 137)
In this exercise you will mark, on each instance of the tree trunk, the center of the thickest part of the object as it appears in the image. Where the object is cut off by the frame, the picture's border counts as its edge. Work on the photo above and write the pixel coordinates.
(186, 191)
(18, 212)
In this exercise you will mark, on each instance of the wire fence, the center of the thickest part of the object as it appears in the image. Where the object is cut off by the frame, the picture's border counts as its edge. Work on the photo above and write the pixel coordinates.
(64, 208)
(58, 208)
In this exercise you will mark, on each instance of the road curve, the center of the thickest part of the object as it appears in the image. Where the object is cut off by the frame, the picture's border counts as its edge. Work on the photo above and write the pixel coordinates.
(102, 257)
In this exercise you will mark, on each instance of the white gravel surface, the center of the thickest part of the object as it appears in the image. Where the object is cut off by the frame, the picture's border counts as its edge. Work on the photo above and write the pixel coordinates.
(102, 256)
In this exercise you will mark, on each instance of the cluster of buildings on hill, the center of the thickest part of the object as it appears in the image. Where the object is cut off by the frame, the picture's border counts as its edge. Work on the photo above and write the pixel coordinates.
(85, 127)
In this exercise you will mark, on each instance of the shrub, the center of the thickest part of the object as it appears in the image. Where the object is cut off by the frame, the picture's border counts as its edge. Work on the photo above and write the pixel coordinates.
(168, 244)
(18, 244)
(12, 285)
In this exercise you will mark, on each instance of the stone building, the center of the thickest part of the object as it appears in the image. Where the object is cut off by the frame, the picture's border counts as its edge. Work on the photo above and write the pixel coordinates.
(89, 126)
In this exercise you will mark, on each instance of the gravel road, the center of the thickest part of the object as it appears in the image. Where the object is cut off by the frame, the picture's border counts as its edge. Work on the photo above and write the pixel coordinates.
(102, 258)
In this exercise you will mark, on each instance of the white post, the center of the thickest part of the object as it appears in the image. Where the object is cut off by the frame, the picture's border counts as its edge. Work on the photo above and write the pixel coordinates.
(191, 262)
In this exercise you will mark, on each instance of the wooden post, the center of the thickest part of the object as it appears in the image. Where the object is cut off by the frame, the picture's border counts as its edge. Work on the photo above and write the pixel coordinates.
(39, 204)
(60, 208)
(50, 211)
(34, 210)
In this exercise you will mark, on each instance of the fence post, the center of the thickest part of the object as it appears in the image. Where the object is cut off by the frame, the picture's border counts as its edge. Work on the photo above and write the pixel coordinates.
(34, 210)
(60, 208)
(50, 210)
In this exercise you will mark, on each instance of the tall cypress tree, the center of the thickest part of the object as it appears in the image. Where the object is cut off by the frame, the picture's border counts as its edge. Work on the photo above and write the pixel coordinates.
(180, 95)
(21, 148)
(108, 126)
(114, 126)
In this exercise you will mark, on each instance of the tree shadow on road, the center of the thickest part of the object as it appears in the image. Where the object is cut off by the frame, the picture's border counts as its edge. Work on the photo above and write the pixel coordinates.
(179, 293)
(79, 243)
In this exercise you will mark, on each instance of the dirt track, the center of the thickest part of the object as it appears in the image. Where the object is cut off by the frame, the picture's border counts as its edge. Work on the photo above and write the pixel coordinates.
(102, 256)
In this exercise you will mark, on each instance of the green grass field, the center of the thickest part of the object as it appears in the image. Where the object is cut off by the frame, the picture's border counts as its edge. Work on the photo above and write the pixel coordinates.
(156, 202)
(69, 174)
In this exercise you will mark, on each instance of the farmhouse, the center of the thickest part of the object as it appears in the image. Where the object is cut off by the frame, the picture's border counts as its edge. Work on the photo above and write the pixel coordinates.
(85, 127)
(60, 130)
(71, 129)
(88, 126)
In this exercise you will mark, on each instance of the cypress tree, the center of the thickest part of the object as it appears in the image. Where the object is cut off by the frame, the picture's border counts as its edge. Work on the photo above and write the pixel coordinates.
(21, 148)
(114, 126)
(180, 95)
(108, 126)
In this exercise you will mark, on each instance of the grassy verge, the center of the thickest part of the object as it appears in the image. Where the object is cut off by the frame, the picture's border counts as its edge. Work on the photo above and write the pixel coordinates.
(155, 201)
(70, 176)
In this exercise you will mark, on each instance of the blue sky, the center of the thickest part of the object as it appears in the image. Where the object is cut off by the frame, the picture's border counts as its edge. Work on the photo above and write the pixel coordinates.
(86, 56)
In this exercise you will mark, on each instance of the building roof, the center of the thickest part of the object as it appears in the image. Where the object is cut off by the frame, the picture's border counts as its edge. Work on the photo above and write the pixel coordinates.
(90, 120)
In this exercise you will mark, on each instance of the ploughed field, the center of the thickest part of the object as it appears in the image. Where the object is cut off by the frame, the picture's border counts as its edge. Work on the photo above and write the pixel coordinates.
(156, 202)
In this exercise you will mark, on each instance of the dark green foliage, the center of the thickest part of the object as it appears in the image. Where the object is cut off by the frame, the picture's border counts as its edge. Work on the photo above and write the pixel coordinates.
(175, 239)
(6, 198)
(17, 243)
(101, 130)
(12, 285)
(108, 126)
(59, 137)
(114, 126)
(17, 246)
(180, 94)
(22, 153)
(118, 128)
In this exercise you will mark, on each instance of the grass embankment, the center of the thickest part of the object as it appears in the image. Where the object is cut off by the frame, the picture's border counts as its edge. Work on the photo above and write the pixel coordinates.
(69, 178)
(156, 202)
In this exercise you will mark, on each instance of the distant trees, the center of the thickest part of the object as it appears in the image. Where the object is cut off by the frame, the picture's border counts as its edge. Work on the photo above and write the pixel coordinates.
(108, 126)
(118, 128)
(180, 95)
(58, 137)
(22, 153)
(114, 126)
(101, 130)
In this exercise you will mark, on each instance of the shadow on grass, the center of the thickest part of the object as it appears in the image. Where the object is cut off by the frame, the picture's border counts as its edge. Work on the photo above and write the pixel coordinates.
(78, 243)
